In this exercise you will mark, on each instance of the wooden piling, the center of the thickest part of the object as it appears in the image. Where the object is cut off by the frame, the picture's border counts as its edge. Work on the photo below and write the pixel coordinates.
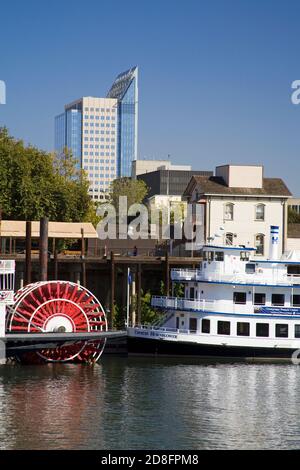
(43, 249)
(28, 253)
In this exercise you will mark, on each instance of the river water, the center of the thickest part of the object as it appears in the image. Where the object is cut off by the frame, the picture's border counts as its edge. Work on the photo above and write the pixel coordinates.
(141, 403)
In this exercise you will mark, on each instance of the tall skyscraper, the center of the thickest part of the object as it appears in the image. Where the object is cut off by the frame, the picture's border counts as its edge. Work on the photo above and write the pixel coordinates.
(102, 133)
(125, 90)
(88, 127)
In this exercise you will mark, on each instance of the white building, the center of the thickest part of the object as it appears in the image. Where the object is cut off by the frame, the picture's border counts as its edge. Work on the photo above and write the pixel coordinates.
(239, 205)
(140, 167)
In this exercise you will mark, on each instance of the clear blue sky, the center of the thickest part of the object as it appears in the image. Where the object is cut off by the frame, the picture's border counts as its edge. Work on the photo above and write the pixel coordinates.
(215, 76)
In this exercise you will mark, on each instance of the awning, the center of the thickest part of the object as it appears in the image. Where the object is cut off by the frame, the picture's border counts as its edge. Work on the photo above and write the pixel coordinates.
(17, 228)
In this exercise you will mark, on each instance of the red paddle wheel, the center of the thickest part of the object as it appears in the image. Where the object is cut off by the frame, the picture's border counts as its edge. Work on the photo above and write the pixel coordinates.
(61, 307)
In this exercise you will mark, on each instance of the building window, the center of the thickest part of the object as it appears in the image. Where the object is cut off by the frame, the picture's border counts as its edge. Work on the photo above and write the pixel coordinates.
(262, 329)
(205, 326)
(239, 297)
(228, 211)
(260, 212)
(223, 327)
(281, 331)
(259, 299)
(278, 299)
(243, 329)
(229, 239)
(260, 244)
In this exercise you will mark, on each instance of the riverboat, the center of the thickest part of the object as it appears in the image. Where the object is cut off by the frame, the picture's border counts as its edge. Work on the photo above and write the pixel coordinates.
(235, 306)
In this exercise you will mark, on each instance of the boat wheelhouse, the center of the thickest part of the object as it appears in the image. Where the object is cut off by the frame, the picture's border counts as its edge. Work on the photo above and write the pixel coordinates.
(234, 305)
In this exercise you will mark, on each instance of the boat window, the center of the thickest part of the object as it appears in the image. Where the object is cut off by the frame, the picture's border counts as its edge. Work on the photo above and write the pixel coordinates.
(250, 268)
(262, 329)
(297, 331)
(245, 256)
(219, 256)
(192, 292)
(278, 299)
(205, 325)
(243, 329)
(259, 299)
(239, 297)
(281, 330)
(296, 300)
(193, 325)
(223, 327)
(177, 323)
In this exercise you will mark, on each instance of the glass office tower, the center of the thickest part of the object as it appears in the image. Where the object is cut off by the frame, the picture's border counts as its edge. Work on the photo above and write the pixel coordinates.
(88, 128)
(125, 90)
(68, 132)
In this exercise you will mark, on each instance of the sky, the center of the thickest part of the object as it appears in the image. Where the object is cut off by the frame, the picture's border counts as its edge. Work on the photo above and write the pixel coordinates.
(214, 76)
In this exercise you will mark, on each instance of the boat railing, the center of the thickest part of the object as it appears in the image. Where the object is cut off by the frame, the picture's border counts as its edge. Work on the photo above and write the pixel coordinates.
(178, 303)
(7, 266)
(239, 278)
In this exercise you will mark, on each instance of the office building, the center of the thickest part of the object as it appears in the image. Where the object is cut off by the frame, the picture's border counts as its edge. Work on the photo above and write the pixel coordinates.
(169, 182)
(101, 133)
(88, 127)
(125, 91)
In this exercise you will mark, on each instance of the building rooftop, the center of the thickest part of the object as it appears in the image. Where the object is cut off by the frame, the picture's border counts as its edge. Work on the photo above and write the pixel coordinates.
(122, 83)
(216, 185)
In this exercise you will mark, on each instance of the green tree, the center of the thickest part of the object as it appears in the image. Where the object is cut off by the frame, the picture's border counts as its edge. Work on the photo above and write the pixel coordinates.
(34, 183)
(135, 190)
(293, 216)
(149, 315)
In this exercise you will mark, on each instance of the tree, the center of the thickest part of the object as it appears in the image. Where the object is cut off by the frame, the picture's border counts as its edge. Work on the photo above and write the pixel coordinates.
(293, 216)
(34, 183)
(134, 190)
(149, 315)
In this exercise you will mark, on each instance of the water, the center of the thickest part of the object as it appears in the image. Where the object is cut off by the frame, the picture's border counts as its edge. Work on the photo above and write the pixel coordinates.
(140, 403)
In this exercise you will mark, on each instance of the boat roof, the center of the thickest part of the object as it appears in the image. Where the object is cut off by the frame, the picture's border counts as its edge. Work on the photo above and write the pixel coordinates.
(229, 247)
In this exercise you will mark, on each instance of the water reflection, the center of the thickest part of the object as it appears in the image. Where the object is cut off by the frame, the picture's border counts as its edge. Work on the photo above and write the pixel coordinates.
(148, 404)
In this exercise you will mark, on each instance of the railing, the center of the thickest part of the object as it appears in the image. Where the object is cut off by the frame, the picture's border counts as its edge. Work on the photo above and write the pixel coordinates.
(240, 278)
(7, 266)
(186, 274)
(177, 303)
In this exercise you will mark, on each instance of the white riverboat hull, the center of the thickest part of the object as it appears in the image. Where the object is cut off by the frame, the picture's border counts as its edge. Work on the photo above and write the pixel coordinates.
(155, 342)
